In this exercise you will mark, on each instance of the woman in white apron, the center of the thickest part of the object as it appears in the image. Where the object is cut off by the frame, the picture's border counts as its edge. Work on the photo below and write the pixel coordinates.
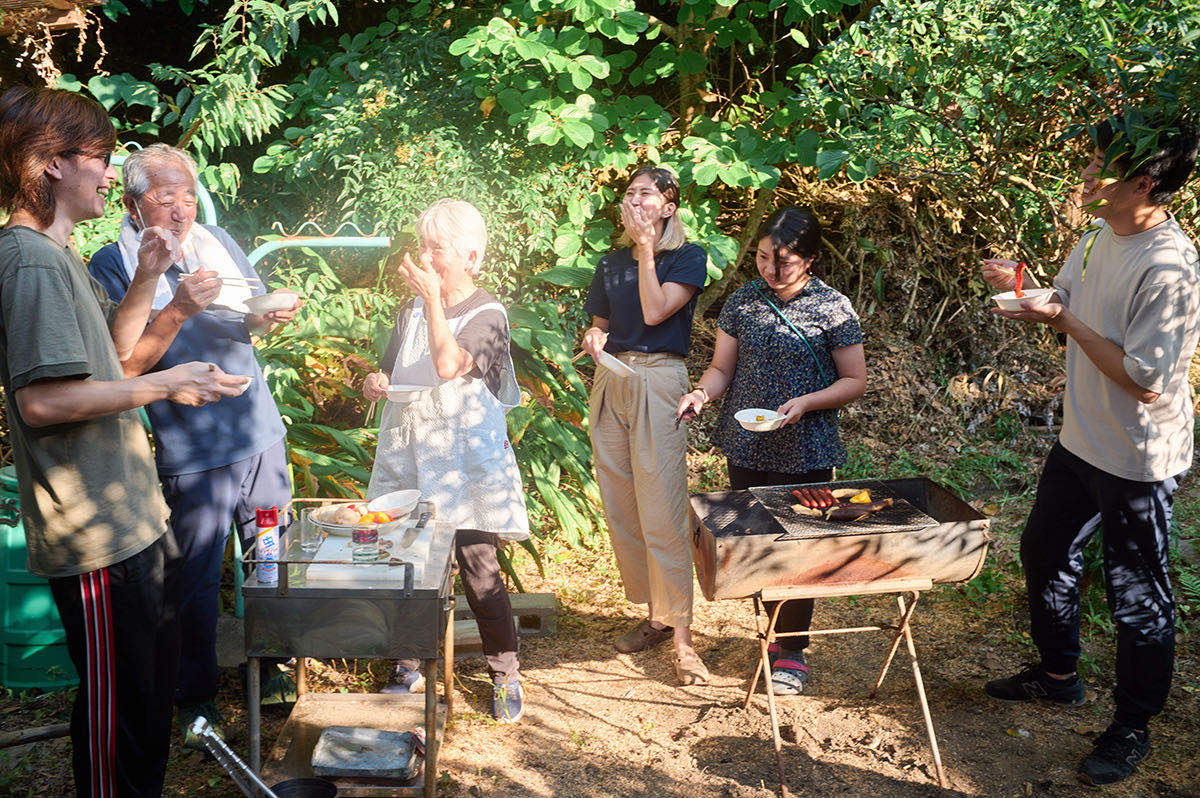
(451, 442)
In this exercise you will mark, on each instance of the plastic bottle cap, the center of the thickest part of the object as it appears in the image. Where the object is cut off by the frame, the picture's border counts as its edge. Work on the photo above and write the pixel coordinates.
(266, 516)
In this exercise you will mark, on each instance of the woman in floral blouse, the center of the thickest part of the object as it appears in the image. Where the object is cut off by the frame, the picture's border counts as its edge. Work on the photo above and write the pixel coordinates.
(791, 342)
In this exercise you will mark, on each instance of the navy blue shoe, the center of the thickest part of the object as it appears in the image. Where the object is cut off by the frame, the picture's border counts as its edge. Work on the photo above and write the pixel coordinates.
(404, 681)
(508, 701)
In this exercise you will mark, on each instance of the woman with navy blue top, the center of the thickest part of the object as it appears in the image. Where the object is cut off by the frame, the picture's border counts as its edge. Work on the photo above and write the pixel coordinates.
(791, 342)
(642, 300)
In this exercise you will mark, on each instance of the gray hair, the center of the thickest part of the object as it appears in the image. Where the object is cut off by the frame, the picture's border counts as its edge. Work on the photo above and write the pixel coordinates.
(457, 224)
(135, 173)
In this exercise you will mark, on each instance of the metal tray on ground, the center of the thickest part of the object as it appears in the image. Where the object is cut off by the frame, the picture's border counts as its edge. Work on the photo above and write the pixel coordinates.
(291, 756)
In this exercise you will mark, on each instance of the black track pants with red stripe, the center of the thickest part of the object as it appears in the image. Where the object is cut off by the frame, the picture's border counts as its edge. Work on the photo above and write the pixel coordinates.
(123, 635)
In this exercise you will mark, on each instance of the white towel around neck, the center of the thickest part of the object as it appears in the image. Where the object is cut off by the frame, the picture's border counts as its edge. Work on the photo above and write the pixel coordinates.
(199, 249)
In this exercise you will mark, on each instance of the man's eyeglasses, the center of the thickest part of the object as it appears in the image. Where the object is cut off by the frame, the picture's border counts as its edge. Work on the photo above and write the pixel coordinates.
(105, 156)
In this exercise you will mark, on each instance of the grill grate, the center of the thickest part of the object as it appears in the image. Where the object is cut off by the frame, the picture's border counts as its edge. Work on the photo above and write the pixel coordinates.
(900, 517)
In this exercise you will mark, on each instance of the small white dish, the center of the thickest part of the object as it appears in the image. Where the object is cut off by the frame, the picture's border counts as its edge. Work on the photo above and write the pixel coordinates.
(1009, 301)
(614, 365)
(397, 504)
(269, 303)
(756, 419)
(406, 394)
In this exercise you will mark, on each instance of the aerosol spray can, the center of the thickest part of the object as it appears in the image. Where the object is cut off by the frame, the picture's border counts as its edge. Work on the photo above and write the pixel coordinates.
(267, 544)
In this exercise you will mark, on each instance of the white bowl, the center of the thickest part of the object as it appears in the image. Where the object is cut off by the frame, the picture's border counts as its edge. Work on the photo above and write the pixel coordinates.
(321, 517)
(269, 303)
(406, 394)
(757, 419)
(614, 365)
(397, 504)
(1009, 301)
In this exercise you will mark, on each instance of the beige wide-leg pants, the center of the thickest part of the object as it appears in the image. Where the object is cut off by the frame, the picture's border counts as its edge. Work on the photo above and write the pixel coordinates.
(641, 467)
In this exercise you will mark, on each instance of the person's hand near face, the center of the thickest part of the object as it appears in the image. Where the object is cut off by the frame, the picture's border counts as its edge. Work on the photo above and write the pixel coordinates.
(159, 248)
(421, 277)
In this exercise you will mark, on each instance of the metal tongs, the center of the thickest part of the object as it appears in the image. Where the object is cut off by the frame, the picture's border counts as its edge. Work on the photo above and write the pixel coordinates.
(245, 778)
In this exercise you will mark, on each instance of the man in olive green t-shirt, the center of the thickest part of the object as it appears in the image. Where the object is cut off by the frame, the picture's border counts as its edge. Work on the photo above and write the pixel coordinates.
(95, 521)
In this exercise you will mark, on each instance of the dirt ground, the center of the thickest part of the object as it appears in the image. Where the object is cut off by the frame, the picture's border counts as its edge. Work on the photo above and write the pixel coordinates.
(602, 724)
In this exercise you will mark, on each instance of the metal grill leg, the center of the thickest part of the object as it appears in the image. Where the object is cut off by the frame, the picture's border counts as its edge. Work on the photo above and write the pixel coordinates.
(902, 626)
(916, 668)
(764, 664)
(758, 666)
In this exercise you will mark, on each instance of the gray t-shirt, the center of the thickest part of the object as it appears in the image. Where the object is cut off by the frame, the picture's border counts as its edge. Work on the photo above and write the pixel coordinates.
(89, 491)
(1142, 292)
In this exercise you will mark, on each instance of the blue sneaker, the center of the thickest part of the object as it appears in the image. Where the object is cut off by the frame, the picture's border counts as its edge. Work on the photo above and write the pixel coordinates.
(404, 681)
(508, 701)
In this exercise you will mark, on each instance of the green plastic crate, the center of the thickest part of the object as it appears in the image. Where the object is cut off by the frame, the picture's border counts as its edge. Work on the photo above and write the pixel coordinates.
(33, 645)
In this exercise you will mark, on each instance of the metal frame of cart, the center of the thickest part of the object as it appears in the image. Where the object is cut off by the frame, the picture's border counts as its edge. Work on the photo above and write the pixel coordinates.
(362, 619)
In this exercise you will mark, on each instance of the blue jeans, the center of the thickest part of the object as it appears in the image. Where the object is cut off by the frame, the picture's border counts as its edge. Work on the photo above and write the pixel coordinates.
(203, 505)
(1074, 501)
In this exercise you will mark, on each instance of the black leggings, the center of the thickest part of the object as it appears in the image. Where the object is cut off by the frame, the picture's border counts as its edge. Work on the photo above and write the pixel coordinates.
(795, 615)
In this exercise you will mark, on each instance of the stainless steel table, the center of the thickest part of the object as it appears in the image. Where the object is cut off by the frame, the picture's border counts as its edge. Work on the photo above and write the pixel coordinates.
(408, 616)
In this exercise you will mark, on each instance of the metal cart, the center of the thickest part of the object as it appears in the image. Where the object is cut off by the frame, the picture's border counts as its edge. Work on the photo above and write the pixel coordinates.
(403, 617)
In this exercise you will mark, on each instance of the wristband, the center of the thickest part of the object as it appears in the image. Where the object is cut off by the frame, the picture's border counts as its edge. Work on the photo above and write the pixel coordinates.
(704, 391)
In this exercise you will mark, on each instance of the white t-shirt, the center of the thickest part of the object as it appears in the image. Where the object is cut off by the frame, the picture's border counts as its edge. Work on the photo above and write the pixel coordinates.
(1142, 292)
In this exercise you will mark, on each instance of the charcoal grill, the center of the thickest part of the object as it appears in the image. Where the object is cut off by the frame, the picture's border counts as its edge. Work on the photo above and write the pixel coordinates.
(752, 544)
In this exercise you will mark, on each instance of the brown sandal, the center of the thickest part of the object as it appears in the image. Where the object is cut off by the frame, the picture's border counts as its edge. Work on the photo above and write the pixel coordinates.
(690, 669)
(642, 637)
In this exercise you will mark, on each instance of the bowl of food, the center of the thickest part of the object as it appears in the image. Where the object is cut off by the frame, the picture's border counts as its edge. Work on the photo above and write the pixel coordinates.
(756, 419)
(342, 519)
(406, 394)
(1010, 301)
(269, 303)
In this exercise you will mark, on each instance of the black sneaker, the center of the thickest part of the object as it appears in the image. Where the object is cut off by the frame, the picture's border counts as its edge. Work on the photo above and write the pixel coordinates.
(1032, 684)
(1116, 755)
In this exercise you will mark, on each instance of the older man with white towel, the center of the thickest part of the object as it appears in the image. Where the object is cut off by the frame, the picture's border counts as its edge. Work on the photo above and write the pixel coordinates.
(219, 462)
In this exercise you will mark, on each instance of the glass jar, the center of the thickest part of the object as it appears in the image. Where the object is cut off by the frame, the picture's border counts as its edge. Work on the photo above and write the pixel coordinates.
(364, 543)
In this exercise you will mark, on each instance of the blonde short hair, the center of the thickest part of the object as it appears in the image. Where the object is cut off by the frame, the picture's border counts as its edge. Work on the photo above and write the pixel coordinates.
(457, 224)
(135, 172)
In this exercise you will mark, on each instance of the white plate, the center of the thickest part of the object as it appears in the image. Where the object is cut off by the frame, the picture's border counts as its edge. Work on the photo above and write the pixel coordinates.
(268, 303)
(320, 516)
(398, 503)
(756, 419)
(406, 394)
(614, 365)
(1008, 300)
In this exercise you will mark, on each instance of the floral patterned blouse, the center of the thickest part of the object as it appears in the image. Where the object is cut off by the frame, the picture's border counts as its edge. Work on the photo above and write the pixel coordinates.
(774, 365)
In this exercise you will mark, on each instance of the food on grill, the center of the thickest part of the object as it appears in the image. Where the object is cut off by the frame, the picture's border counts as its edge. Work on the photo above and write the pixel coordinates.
(816, 498)
(843, 504)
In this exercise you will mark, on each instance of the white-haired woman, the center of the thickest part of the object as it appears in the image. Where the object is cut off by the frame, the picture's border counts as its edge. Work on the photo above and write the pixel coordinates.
(452, 442)
(642, 299)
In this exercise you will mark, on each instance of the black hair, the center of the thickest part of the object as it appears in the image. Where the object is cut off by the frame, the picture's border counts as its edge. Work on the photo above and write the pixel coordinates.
(799, 230)
(1169, 161)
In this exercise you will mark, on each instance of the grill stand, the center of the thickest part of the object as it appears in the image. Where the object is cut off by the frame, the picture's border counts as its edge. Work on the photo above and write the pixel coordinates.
(901, 629)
